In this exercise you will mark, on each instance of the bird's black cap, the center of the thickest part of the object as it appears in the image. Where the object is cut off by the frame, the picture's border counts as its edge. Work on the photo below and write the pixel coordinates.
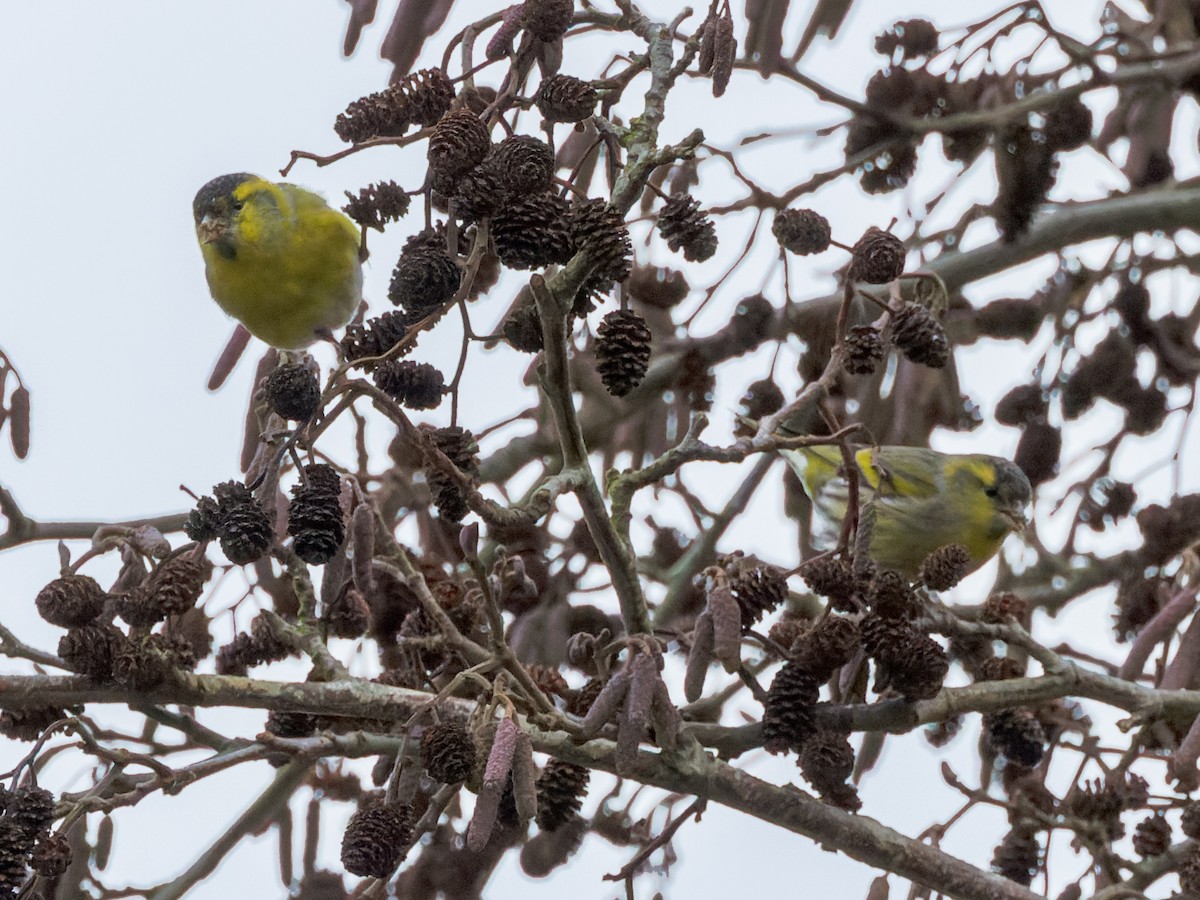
(221, 186)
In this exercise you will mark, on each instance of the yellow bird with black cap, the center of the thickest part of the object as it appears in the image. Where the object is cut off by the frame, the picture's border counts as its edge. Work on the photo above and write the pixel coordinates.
(921, 499)
(278, 258)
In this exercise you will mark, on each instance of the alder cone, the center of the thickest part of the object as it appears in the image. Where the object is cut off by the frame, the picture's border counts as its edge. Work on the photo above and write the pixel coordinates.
(622, 351)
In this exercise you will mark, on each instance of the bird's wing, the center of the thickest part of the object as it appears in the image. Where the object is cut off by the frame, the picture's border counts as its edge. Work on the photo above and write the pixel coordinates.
(911, 472)
(887, 471)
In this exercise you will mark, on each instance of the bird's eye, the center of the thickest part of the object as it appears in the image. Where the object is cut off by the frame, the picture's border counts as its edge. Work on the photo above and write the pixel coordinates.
(992, 492)
(237, 205)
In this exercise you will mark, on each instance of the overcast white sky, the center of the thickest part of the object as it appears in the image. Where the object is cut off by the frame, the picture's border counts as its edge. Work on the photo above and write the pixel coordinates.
(116, 113)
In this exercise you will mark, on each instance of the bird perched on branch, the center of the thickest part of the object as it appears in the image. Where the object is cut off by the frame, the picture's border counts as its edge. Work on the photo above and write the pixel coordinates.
(921, 500)
(278, 258)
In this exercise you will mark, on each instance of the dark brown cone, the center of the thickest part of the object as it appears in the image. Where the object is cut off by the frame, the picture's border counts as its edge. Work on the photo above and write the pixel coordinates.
(999, 668)
(1068, 125)
(762, 398)
(413, 384)
(424, 280)
(1145, 411)
(419, 99)
(376, 840)
(430, 94)
(788, 720)
(478, 194)
(892, 596)
(1152, 836)
(176, 585)
(622, 351)
(547, 20)
(827, 760)
(292, 391)
(1026, 170)
(145, 662)
(248, 650)
(524, 164)
(290, 724)
(1010, 317)
(458, 144)
(28, 724)
(560, 791)
(895, 151)
(831, 577)
(827, 646)
(242, 526)
(801, 231)
(1168, 530)
(1016, 734)
(533, 232)
(377, 204)
(695, 381)
(878, 257)
(523, 329)
(564, 98)
(1189, 822)
(201, 523)
(963, 144)
(315, 519)
(1023, 404)
(1103, 802)
(348, 616)
(374, 338)
(51, 855)
(1138, 601)
(322, 885)
(448, 752)
(600, 231)
(757, 588)
(92, 650)
(31, 809)
(788, 630)
(751, 323)
(945, 567)
(1003, 607)
(864, 350)
(1018, 857)
(1132, 303)
(459, 445)
(684, 227)
(71, 601)
(920, 336)
(15, 847)
(919, 672)
(658, 287)
(1037, 452)
(192, 630)
(886, 639)
(1109, 371)
(914, 38)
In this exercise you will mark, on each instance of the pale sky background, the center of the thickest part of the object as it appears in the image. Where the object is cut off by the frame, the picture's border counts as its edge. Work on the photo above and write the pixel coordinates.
(117, 112)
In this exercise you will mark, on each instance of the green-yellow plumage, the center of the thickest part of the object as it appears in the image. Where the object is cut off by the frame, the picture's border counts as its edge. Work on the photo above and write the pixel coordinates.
(278, 258)
(922, 499)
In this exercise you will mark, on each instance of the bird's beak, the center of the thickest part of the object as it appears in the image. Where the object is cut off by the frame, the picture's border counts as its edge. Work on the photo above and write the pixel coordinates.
(209, 229)
(1017, 520)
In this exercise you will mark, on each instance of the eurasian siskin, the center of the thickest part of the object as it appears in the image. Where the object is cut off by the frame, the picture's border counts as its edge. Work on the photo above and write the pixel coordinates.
(278, 258)
(921, 500)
